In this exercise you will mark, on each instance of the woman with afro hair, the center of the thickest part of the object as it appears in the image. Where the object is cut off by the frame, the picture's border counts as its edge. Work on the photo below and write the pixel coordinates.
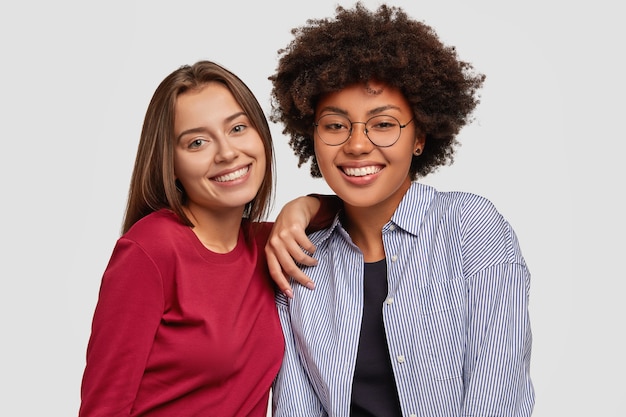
(420, 306)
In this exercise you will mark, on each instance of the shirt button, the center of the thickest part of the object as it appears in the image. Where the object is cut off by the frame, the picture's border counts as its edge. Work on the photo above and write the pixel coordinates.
(392, 227)
(389, 301)
(394, 258)
(412, 415)
(400, 358)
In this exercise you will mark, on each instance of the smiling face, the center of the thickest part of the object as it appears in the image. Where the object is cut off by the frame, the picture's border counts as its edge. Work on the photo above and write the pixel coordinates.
(219, 157)
(362, 174)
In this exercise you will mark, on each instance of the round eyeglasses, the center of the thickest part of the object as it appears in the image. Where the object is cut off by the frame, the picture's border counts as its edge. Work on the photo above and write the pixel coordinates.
(382, 130)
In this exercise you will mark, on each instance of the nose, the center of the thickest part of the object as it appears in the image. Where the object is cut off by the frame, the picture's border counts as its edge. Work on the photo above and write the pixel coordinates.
(358, 142)
(225, 151)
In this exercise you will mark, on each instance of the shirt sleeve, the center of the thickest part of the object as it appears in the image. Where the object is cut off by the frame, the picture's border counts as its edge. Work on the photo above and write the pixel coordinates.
(330, 205)
(127, 315)
(292, 392)
(497, 362)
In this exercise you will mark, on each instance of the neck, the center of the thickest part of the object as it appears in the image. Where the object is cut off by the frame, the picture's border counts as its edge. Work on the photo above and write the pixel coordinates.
(218, 230)
(365, 224)
(369, 240)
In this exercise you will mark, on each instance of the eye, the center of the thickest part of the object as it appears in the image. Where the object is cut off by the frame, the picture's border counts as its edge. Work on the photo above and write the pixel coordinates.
(333, 123)
(382, 123)
(334, 126)
(240, 128)
(196, 143)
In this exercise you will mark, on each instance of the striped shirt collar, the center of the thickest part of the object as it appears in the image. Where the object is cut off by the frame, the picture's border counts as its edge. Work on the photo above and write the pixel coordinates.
(408, 215)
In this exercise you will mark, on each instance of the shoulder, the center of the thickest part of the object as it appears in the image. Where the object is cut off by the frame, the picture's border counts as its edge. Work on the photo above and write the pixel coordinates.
(423, 203)
(470, 211)
(486, 235)
(158, 240)
(257, 232)
(421, 199)
(157, 230)
(473, 210)
(464, 201)
(161, 220)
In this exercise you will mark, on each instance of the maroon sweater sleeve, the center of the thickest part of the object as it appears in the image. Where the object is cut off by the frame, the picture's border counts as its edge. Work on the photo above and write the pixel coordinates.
(330, 205)
(127, 315)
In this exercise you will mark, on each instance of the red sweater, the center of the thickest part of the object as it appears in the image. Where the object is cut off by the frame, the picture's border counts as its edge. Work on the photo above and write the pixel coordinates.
(179, 330)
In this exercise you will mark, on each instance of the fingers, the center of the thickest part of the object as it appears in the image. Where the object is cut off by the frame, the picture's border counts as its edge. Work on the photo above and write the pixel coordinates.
(291, 246)
(301, 278)
(277, 275)
(283, 261)
(297, 244)
(302, 249)
(282, 253)
(280, 274)
(288, 245)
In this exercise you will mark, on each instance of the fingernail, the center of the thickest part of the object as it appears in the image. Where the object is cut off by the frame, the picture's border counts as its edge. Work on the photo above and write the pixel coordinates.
(288, 293)
(310, 285)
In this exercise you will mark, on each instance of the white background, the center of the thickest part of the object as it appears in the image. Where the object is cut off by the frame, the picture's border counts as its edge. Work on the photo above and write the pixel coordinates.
(546, 148)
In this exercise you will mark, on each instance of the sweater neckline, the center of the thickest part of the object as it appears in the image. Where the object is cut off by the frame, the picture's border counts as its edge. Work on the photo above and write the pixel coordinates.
(216, 257)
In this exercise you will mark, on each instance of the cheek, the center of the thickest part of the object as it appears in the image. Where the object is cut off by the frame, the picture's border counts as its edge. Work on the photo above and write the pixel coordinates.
(323, 155)
(404, 160)
(178, 166)
(261, 162)
(257, 149)
(403, 153)
(188, 166)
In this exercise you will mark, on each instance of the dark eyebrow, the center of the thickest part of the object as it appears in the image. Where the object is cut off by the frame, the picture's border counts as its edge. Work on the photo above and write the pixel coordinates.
(236, 115)
(382, 109)
(333, 109)
(190, 131)
(203, 129)
(370, 113)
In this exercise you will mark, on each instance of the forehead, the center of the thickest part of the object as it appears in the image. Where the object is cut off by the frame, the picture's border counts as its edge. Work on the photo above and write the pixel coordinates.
(212, 93)
(364, 98)
(211, 102)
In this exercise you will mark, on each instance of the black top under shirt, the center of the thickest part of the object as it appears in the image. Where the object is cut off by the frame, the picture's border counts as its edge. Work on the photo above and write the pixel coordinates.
(374, 392)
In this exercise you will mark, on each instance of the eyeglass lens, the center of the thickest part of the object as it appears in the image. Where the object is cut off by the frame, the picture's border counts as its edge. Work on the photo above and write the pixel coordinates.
(335, 129)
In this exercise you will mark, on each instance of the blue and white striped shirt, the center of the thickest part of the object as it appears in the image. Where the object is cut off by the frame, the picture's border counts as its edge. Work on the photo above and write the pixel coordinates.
(456, 314)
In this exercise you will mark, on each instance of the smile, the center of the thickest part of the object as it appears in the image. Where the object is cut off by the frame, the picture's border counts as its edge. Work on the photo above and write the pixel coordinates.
(361, 171)
(233, 175)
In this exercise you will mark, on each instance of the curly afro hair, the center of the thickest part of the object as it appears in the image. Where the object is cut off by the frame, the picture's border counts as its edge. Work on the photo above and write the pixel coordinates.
(359, 45)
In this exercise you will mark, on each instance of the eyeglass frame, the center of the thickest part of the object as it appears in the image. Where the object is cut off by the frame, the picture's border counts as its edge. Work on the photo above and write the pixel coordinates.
(402, 126)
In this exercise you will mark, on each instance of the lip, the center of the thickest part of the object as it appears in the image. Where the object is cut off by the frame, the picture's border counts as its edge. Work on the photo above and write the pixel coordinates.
(233, 175)
(362, 173)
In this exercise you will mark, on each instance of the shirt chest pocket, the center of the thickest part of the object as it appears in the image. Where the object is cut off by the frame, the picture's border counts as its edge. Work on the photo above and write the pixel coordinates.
(443, 306)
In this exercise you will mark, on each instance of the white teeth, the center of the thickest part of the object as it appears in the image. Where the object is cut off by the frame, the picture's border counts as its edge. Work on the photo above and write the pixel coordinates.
(233, 175)
(362, 171)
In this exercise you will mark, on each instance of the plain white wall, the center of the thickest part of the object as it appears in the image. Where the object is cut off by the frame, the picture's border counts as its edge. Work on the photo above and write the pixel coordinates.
(76, 78)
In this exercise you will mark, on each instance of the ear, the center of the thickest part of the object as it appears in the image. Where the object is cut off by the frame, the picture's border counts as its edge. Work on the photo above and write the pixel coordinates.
(418, 144)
